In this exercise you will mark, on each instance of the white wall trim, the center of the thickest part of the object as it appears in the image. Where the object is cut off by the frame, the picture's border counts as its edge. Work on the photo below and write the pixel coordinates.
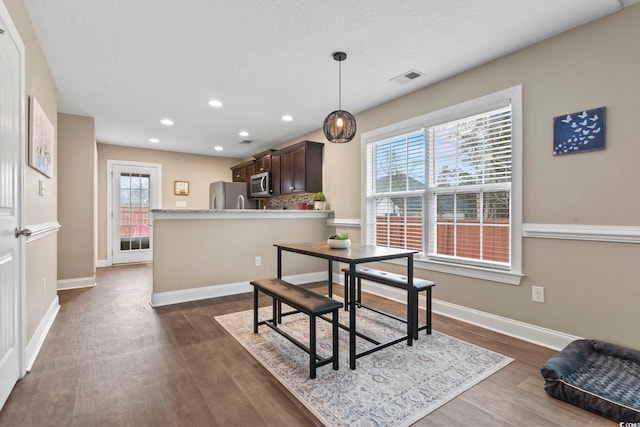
(159, 299)
(538, 335)
(514, 328)
(101, 263)
(41, 332)
(44, 229)
(597, 233)
(344, 222)
(79, 282)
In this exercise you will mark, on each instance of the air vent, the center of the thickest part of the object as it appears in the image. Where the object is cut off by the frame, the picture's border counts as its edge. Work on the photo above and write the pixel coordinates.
(246, 141)
(406, 77)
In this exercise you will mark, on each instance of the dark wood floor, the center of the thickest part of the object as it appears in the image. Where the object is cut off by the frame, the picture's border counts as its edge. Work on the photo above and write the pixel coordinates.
(112, 360)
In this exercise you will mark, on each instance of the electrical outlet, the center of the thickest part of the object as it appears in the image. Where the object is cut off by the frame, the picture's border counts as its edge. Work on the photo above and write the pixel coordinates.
(537, 293)
(44, 285)
(258, 261)
(41, 187)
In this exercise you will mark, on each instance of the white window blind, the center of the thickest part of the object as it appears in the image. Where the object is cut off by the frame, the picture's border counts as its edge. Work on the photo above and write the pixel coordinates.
(470, 188)
(395, 187)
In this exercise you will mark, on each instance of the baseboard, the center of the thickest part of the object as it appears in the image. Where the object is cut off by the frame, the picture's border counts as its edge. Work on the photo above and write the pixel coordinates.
(544, 337)
(159, 299)
(514, 328)
(35, 344)
(80, 282)
(102, 263)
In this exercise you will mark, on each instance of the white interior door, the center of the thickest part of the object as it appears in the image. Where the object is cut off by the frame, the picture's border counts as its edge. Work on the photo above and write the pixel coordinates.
(11, 343)
(135, 193)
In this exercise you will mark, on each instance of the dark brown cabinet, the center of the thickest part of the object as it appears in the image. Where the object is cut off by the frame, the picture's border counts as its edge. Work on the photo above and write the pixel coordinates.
(243, 171)
(301, 168)
(275, 174)
(263, 161)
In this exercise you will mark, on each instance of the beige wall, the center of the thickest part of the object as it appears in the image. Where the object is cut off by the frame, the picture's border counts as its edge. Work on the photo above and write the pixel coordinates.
(40, 254)
(591, 288)
(76, 196)
(200, 171)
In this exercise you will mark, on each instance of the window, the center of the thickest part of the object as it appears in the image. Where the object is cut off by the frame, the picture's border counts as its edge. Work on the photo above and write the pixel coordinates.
(447, 184)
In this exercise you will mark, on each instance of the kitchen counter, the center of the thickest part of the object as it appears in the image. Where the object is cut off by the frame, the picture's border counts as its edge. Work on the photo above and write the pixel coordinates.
(237, 213)
(202, 253)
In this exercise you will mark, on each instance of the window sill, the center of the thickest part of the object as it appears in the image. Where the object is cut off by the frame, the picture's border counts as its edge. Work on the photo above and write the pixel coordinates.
(507, 277)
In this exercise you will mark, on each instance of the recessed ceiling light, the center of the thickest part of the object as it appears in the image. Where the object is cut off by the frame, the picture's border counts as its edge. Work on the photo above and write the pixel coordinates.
(287, 118)
(215, 103)
(218, 148)
(243, 133)
(167, 122)
(154, 140)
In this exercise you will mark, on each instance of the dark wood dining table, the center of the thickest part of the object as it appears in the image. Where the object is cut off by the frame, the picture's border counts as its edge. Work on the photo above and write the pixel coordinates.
(354, 255)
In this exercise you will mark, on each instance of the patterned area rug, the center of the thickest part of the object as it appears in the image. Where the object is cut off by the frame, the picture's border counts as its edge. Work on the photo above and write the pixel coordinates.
(391, 387)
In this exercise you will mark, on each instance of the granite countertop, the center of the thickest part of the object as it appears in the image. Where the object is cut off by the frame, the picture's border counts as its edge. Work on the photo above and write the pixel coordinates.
(238, 213)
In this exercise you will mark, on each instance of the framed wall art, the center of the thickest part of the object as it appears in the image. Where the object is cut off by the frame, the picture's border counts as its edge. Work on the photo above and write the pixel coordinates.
(181, 188)
(41, 139)
(579, 132)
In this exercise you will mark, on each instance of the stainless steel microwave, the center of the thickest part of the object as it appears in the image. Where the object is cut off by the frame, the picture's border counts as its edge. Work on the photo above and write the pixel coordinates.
(260, 185)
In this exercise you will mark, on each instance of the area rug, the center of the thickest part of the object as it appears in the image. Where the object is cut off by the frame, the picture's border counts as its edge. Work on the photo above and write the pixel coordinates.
(392, 387)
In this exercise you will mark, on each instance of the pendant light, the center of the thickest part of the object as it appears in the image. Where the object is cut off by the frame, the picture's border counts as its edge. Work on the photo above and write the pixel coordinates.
(339, 126)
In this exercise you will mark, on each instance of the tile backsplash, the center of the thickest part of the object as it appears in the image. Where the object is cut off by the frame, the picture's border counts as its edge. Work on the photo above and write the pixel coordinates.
(287, 202)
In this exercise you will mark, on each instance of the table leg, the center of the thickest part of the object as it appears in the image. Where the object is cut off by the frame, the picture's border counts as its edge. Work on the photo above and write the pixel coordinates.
(279, 263)
(330, 280)
(411, 303)
(278, 310)
(352, 318)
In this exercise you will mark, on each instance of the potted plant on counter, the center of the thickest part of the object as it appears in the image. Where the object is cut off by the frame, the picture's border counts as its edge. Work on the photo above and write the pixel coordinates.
(319, 201)
(339, 241)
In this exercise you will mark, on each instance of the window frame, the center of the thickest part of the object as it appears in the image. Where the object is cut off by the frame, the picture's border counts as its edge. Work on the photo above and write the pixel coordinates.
(513, 95)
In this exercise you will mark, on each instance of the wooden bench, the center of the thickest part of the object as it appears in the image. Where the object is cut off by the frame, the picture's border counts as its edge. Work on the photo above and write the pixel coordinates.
(303, 301)
(396, 281)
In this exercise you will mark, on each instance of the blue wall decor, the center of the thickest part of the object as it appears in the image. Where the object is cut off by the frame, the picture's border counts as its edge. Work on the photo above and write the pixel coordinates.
(579, 132)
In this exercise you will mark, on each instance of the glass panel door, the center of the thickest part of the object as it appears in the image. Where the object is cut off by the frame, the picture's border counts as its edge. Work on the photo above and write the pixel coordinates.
(134, 211)
(135, 191)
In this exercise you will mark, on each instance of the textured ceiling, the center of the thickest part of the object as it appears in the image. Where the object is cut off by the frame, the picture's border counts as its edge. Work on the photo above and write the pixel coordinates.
(130, 63)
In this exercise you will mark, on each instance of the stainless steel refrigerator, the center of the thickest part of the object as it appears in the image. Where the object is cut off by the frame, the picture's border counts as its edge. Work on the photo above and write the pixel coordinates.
(229, 195)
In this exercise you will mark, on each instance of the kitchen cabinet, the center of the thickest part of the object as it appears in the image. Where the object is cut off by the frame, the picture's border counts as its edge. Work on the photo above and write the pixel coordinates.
(263, 161)
(275, 173)
(301, 168)
(243, 171)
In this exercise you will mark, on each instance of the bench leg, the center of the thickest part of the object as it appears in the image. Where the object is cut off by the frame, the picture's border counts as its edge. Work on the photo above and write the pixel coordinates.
(335, 339)
(416, 315)
(275, 307)
(312, 346)
(255, 310)
(428, 311)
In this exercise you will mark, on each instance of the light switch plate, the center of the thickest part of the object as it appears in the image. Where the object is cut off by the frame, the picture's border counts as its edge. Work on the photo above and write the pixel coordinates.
(41, 187)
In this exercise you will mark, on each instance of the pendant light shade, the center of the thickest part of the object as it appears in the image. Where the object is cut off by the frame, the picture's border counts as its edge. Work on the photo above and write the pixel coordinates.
(339, 126)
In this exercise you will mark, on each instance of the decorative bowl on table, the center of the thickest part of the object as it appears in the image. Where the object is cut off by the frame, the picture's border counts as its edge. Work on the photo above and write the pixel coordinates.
(339, 241)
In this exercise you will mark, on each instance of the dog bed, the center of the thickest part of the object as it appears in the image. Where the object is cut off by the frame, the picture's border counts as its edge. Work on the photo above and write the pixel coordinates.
(601, 377)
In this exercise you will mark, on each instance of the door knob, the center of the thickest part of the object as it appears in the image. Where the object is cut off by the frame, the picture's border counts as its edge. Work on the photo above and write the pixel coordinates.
(22, 232)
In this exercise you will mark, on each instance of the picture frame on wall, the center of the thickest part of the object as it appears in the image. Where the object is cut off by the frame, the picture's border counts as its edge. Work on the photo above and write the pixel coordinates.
(579, 132)
(41, 139)
(181, 188)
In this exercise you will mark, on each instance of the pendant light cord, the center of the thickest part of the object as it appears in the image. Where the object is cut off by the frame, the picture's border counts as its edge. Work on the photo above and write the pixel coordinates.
(339, 85)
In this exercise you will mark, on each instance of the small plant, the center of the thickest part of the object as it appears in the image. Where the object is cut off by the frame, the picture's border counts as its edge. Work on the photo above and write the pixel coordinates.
(319, 197)
(340, 236)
